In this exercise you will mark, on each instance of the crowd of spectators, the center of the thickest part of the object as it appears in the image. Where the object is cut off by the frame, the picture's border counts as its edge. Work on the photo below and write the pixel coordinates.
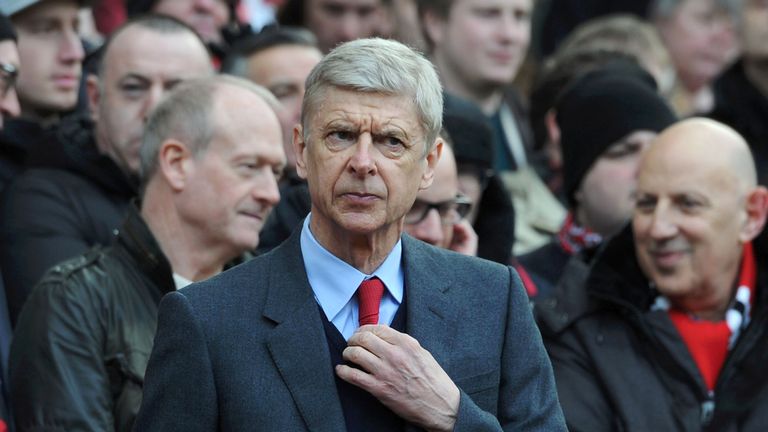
(613, 153)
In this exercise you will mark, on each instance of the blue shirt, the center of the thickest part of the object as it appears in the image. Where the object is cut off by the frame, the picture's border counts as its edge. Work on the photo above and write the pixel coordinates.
(335, 282)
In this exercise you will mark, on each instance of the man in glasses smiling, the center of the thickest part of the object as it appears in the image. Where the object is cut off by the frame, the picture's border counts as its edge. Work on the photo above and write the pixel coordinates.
(437, 215)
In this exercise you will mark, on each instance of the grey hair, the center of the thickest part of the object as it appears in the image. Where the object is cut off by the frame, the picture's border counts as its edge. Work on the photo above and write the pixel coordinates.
(186, 114)
(378, 66)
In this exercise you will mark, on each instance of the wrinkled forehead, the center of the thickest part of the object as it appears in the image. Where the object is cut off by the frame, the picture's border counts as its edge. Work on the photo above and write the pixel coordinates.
(399, 107)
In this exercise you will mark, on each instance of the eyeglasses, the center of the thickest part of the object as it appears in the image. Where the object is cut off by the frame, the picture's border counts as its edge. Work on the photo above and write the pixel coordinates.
(8, 74)
(451, 212)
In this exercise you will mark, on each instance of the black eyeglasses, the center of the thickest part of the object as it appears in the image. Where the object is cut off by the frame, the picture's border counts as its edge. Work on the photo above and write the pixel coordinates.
(451, 212)
(8, 74)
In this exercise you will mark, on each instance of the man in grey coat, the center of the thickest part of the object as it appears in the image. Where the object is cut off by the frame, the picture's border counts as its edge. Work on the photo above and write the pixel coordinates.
(350, 324)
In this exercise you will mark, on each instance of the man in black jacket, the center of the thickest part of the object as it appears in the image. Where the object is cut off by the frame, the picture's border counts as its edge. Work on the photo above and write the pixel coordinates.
(50, 55)
(669, 332)
(54, 213)
(210, 159)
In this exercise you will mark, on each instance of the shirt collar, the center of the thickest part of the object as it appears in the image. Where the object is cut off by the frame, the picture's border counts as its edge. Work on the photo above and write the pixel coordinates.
(334, 282)
(180, 281)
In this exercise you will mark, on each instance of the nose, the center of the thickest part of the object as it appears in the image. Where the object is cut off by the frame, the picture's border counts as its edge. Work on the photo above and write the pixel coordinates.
(361, 163)
(71, 47)
(265, 189)
(511, 28)
(430, 229)
(154, 95)
(662, 224)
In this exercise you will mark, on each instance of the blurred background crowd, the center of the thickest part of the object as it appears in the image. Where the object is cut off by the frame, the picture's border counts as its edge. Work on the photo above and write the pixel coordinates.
(549, 107)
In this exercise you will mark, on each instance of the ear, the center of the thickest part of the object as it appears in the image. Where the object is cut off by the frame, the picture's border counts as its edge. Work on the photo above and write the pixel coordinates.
(432, 157)
(94, 95)
(757, 211)
(434, 26)
(299, 148)
(175, 163)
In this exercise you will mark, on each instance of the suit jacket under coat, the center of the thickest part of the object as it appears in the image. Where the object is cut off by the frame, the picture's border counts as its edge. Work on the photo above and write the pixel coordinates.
(246, 350)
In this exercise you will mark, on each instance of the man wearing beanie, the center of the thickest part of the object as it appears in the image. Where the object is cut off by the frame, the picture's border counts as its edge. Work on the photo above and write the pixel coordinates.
(607, 118)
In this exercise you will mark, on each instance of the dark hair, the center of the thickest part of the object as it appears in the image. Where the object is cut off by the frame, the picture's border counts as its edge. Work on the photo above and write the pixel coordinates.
(269, 37)
(441, 8)
(555, 76)
(291, 13)
(6, 29)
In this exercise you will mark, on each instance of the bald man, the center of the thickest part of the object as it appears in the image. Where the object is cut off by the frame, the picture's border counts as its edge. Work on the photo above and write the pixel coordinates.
(669, 331)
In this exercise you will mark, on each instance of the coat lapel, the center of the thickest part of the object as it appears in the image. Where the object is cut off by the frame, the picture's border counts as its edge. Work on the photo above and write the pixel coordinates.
(430, 318)
(298, 344)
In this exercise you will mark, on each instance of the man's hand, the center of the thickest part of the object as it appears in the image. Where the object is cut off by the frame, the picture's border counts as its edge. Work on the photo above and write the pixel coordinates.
(464, 239)
(402, 375)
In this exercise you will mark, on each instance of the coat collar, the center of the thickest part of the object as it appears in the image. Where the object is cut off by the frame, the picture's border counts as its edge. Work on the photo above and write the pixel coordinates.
(430, 319)
(617, 277)
(298, 344)
(136, 240)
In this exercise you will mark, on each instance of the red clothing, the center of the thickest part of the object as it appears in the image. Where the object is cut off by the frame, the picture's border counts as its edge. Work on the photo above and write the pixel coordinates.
(708, 341)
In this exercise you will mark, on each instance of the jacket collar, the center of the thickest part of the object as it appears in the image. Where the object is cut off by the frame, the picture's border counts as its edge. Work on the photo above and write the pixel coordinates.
(616, 275)
(298, 344)
(617, 278)
(80, 155)
(137, 241)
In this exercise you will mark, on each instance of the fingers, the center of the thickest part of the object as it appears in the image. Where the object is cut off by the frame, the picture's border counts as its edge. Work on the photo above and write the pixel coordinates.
(464, 238)
(362, 357)
(357, 377)
(402, 375)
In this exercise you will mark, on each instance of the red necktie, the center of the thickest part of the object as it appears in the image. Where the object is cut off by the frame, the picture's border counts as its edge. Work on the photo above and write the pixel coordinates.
(369, 296)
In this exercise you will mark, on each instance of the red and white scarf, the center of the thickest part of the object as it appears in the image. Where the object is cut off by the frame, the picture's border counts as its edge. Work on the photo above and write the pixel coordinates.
(708, 341)
(574, 238)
